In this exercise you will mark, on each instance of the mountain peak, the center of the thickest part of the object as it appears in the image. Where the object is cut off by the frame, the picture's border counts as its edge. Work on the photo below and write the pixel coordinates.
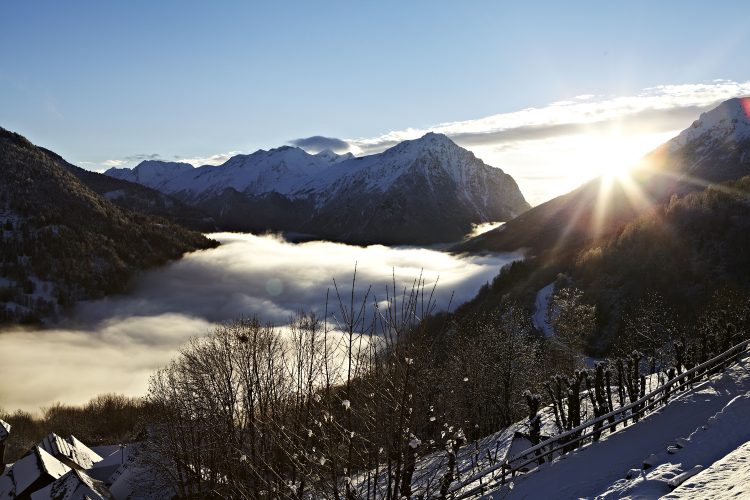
(430, 142)
(333, 157)
(730, 120)
(434, 138)
(150, 173)
(159, 164)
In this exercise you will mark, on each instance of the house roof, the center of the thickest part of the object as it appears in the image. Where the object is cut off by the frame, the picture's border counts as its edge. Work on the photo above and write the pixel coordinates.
(74, 485)
(4, 430)
(36, 464)
(71, 451)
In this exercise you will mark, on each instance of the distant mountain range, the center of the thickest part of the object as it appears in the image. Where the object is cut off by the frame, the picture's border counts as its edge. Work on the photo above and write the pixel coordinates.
(63, 241)
(422, 191)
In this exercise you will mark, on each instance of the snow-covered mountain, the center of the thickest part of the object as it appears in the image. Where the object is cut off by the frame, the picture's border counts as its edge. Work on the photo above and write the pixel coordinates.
(715, 148)
(730, 121)
(421, 191)
(150, 173)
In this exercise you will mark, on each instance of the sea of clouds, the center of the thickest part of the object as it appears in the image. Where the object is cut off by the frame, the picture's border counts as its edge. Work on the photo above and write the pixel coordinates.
(115, 344)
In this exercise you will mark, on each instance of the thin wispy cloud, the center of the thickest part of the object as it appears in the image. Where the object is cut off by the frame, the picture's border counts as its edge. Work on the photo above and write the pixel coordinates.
(661, 108)
(142, 156)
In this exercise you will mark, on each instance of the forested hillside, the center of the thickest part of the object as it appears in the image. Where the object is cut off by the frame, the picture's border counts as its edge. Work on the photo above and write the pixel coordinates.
(63, 242)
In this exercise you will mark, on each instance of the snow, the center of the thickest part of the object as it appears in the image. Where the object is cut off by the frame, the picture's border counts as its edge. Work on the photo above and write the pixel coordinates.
(25, 471)
(728, 121)
(378, 172)
(4, 430)
(541, 306)
(728, 477)
(74, 485)
(151, 173)
(296, 174)
(283, 170)
(71, 449)
(710, 422)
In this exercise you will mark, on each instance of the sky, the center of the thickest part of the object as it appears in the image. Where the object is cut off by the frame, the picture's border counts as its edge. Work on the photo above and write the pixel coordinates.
(111, 83)
(115, 344)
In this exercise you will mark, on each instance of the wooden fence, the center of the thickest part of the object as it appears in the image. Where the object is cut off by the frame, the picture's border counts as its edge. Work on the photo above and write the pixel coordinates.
(577, 437)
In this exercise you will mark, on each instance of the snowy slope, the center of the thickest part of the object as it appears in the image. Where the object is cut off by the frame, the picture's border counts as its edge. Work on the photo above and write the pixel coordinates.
(427, 190)
(151, 173)
(599, 470)
(728, 477)
(432, 155)
(282, 170)
(730, 121)
(476, 456)
(541, 307)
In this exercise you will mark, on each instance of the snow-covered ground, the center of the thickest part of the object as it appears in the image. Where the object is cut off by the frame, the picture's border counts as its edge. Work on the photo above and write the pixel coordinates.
(726, 478)
(541, 306)
(700, 428)
(476, 456)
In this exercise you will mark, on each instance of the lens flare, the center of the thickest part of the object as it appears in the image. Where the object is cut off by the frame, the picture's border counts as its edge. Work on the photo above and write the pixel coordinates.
(745, 101)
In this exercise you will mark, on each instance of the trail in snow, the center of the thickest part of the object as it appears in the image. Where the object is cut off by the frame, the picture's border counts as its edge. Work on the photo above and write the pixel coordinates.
(541, 305)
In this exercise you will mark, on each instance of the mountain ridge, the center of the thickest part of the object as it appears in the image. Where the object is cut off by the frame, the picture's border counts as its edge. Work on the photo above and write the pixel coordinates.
(714, 149)
(421, 191)
(63, 242)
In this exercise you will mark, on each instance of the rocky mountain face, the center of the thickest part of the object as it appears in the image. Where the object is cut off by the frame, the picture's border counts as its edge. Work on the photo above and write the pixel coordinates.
(427, 190)
(715, 148)
(63, 242)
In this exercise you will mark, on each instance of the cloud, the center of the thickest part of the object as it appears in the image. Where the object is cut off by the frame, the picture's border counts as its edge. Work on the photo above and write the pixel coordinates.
(114, 344)
(110, 163)
(661, 108)
(319, 143)
(552, 149)
(132, 160)
(543, 147)
(71, 365)
(216, 159)
(142, 156)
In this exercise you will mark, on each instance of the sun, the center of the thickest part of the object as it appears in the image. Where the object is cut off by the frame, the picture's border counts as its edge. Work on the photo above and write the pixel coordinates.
(609, 154)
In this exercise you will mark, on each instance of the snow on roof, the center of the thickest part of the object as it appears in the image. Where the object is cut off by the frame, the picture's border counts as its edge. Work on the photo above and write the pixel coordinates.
(75, 485)
(82, 448)
(4, 430)
(70, 451)
(35, 465)
(105, 450)
(104, 469)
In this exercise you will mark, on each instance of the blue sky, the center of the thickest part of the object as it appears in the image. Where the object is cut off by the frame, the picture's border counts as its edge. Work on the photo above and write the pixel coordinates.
(101, 81)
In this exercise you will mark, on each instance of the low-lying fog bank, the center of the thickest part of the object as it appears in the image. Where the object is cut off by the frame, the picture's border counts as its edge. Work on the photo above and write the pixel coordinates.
(114, 344)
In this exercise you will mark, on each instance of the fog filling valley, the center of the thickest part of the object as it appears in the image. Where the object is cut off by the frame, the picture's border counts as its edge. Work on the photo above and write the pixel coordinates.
(115, 344)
